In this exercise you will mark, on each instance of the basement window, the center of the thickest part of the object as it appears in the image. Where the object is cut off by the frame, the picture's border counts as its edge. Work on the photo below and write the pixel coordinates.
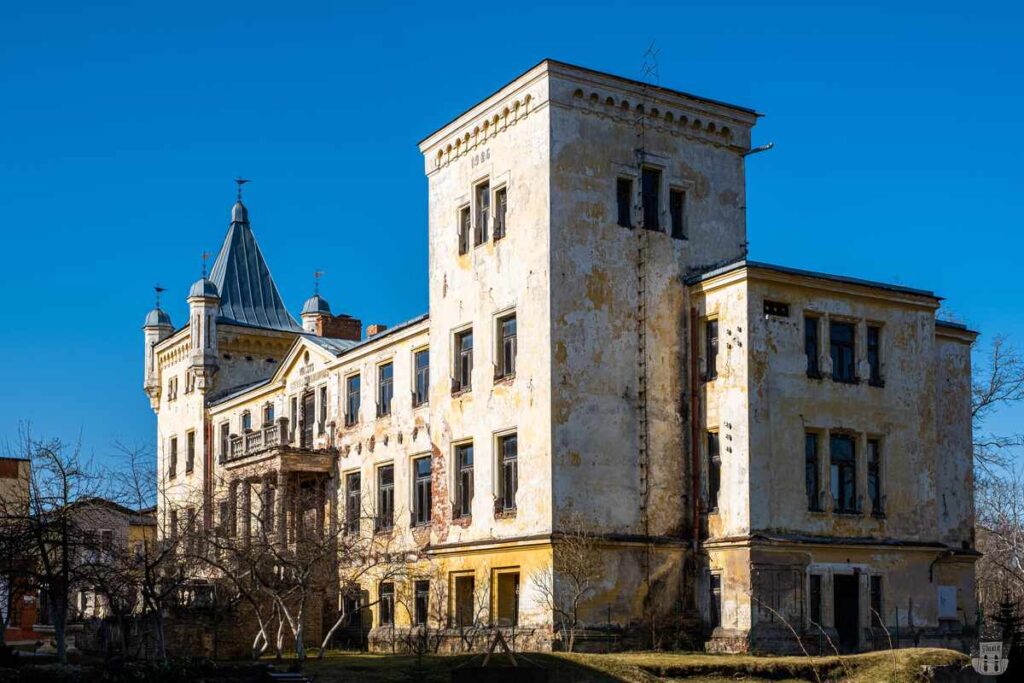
(624, 200)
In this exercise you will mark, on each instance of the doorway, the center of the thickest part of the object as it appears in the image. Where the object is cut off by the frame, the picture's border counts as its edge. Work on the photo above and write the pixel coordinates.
(846, 599)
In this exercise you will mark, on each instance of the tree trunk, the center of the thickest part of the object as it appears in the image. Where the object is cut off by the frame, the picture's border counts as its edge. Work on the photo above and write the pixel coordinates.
(330, 633)
(161, 644)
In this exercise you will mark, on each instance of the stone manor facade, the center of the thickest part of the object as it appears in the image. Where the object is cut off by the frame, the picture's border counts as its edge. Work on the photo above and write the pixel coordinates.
(748, 444)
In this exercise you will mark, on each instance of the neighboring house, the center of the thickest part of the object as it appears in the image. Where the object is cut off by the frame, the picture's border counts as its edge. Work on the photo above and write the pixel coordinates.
(756, 447)
(18, 601)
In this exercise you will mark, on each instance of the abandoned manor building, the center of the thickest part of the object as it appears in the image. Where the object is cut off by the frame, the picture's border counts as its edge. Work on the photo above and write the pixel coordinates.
(749, 447)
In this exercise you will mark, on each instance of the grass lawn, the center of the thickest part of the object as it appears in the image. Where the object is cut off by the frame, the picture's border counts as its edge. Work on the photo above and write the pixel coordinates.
(645, 667)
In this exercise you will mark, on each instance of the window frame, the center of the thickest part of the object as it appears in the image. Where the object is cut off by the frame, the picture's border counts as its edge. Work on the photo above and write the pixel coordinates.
(386, 600)
(873, 350)
(352, 411)
(172, 469)
(462, 380)
(385, 499)
(464, 473)
(844, 498)
(812, 322)
(481, 211)
(506, 366)
(677, 218)
(500, 207)
(422, 488)
(650, 213)
(812, 470)
(190, 451)
(385, 386)
(496, 602)
(713, 452)
(711, 343)
(503, 463)
(421, 611)
(456, 613)
(464, 223)
(715, 599)
(353, 501)
(841, 350)
(418, 374)
(874, 468)
(624, 190)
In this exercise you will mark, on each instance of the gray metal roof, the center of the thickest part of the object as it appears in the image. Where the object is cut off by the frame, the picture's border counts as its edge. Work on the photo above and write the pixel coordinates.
(248, 295)
(316, 304)
(157, 317)
(335, 346)
(203, 287)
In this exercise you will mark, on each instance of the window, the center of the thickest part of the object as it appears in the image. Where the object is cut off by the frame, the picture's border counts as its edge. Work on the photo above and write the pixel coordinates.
(295, 415)
(500, 209)
(322, 423)
(710, 350)
(107, 539)
(508, 599)
(779, 309)
(268, 414)
(677, 211)
(421, 592)
(385, 497)
(508, 473)
(811, 346)
(246, 421)
(464, 220)
(172, 467)
(624, 198)
(841, 339)
(463, 361)
(421, 364)
(351, 400)
(190, 451)
(387, 603)
(650, 186)
(353, 503)
(223, 517)
(811, 470)
(421, 503)
(465, 601)
(174, 525)
(385, 388)
(714, 471)
(874, 477)
(267, 513)
(225, 439)
(483, 210)
(464, 483)
(507, 350)
(876, 600)
(843, 473)
(715, 600)
(875, 355)
(815, 598)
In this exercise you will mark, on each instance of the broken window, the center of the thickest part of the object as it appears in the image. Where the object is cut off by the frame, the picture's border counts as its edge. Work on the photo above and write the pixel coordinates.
(353, 503)
(815, 599)
(811, 471)
(483, 210)
(421, 491)
(508, 599)
(843, 473)
(507, 350)
(624, 200)
(811, 346)
(876, 600)
(500, 209)
(463, 380)
(464, 483)
(464, 221)
(874, 477)
(650, 186)
(710, 350)
(715, 600)
(875, 355)
(172, 466)
(385, 497)
(844, 359)
(421, 591)
(190, 451)
(351, 400)
(421, 363)
(385, 388)
(677, 211)
(714, 471)
(465, 601)
(508, 473)
(386, 594)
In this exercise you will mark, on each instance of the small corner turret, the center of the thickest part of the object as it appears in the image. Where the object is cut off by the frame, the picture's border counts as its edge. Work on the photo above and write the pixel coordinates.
(156, 328)
(203, 308)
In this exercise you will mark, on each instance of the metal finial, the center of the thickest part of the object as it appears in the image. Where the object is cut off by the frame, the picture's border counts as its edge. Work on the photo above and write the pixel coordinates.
(317, 274)
(158, 290)
(241, 181)
(206, 255)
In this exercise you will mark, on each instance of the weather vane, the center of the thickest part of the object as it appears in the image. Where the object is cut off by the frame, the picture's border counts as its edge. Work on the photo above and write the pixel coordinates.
(159, 290)
(241, 181)
(206, 255)
(317, 274)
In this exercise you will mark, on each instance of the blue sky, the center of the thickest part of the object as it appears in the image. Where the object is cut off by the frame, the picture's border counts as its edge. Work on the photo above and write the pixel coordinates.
(122, 124)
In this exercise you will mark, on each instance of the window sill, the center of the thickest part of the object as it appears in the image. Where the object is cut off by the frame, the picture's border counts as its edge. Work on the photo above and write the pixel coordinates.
(384, 531)
(422, 404)
(853, 381)
(463, 518)
(456, 393)
(507, 378)
(350, 425)
(505, 514)
(848, 513)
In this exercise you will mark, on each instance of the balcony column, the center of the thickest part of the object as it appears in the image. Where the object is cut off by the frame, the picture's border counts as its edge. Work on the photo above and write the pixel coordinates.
(281, 514)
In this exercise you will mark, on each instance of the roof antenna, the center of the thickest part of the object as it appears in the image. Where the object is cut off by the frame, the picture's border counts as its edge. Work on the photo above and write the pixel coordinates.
(159, 290)
(649, 66)
(241, 181)
(317, 274)
(206, 255)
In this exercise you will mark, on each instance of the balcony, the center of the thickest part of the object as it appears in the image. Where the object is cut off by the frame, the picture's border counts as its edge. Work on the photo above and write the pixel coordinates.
(273, 445)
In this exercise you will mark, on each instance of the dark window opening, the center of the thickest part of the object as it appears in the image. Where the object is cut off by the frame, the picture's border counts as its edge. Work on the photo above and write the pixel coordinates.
(507, 352)
(465, 601)
(875, 355)
(677, 210)
(421, 491)
(172, 466)
(225, 439)
(876, 601)
(190, 452)
(353, 503)
(322, 422)
(778, 309)
(464, 221)
(843, 350)
(715, 600)
(874, 477)
(508, 599)
(464, 483)
(385, 388)
(385, 498)
(714, 471)
(387, 604)
(421, 394)
(624, 199)
(463, 361)
(508, 474)
(811, 471)
(308, 419)
(843, 473)
(421, 609)
(811, 346)
(483, 210)
(710, 350)
(651, 190)
(351, 400)
(815, 599)
(500, 209)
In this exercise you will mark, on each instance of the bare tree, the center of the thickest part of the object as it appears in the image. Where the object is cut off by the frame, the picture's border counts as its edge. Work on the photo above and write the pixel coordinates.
(574, 570)
(998, 383)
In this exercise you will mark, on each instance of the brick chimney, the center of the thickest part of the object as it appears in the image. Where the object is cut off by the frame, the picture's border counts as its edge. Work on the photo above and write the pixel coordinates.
(376, 328)
(339, 327)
